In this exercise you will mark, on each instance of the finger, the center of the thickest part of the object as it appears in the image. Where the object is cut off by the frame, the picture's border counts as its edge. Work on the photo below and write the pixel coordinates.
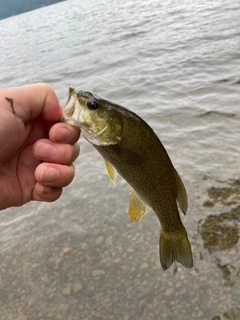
(46, 150)
(54, 175)
(45, 193)
(61, 132)
(32, 100)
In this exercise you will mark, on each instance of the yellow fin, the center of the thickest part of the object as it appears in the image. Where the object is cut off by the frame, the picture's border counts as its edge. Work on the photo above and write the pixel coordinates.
(137, 208)
(181, 193)
(110, 171)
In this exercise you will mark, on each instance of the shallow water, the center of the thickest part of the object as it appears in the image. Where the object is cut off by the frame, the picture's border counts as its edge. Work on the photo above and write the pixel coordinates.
(178, 66)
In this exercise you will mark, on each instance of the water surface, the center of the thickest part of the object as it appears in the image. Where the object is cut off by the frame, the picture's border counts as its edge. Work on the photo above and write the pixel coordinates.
(176, 64)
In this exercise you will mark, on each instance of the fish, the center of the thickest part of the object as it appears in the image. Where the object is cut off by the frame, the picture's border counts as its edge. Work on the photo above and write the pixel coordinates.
(130, 147)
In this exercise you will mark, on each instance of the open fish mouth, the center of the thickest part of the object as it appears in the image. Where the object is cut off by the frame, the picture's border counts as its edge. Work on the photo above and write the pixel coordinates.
(71, 109)
(70, 104)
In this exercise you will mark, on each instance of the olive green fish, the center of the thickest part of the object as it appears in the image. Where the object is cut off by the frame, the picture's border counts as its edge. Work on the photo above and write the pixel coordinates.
(130, 147)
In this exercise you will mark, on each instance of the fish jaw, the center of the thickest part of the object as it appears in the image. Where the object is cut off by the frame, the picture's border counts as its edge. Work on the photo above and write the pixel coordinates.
(72, 110)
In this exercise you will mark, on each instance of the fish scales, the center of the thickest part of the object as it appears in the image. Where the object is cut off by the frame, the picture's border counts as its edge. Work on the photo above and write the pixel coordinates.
(148, 183)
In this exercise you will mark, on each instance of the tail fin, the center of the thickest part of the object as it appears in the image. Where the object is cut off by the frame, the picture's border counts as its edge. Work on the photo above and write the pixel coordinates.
(175, 247)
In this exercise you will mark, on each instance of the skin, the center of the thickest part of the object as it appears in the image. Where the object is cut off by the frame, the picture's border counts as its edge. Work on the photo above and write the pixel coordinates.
(37, 153)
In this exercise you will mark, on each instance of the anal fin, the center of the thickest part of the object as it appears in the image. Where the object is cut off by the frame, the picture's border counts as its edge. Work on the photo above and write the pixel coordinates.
(137, 208)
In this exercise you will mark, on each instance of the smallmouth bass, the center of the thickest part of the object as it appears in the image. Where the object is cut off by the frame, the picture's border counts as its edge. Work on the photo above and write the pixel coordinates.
(130, 147)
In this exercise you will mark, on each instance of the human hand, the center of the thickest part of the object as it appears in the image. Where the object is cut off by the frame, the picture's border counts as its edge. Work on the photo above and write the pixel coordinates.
(36, 153)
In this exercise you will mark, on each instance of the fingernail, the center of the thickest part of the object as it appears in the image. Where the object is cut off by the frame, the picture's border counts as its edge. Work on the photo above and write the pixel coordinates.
(49, 174)
(62, 134)
(46, 151)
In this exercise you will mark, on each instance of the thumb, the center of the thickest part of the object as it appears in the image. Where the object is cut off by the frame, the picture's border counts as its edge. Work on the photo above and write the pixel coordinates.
(33, 100)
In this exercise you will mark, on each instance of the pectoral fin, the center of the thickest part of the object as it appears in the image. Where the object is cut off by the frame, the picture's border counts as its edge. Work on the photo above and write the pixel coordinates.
(137, 208)
(110, 171)
(181, 193)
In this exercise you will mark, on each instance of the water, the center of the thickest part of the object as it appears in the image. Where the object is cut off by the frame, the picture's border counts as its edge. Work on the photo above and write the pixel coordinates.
(176, 64)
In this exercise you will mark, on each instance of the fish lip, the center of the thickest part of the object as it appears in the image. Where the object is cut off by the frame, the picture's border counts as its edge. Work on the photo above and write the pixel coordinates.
(69, 108)
(70, 91)
(72, 96)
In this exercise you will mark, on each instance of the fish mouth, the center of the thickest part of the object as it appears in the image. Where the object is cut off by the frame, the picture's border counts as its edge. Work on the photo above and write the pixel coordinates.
(71, 109)
(70, 104)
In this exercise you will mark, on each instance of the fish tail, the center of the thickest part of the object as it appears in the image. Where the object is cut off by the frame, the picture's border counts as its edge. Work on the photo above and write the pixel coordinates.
(174, 246)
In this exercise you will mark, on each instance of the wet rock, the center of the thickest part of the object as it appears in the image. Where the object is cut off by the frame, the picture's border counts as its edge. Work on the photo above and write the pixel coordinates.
(67, 290)
(77, 287)
(97, 273)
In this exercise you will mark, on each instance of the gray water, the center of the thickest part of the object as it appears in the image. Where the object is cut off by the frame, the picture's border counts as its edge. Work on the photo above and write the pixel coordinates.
(176, 64)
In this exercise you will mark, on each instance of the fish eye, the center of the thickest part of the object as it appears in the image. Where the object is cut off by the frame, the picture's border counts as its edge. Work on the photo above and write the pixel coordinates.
(92, 105)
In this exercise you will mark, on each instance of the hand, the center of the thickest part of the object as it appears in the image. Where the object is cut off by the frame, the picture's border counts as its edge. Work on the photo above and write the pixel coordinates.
(36, 153)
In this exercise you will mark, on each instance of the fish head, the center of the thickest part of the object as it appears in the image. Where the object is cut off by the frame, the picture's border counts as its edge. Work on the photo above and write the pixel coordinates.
(94, 116)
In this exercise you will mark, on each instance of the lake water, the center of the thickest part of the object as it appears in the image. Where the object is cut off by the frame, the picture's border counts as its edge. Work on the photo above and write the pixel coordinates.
(176, 64)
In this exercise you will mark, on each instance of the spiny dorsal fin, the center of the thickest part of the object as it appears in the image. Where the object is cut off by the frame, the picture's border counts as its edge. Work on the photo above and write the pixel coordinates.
(181, 193)
(137, 208)
(110, 171)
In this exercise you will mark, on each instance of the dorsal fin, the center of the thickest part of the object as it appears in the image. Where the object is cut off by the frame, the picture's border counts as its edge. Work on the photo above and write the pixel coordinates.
(181, 193)
(110, 171)
(137, 208)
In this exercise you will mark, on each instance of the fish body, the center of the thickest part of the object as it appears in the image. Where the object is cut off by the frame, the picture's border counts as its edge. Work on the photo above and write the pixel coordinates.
(130, 146)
